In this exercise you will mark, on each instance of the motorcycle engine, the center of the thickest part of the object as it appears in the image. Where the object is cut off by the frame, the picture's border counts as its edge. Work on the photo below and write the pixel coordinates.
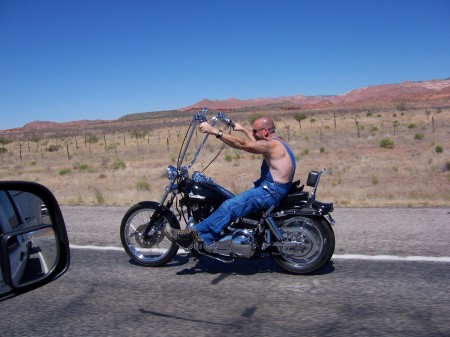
(239, 244)
(201, 212)
(243, 243)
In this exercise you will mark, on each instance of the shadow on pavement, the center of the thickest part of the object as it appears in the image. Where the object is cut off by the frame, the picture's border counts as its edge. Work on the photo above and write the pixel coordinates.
(204, 264)
(242, 267)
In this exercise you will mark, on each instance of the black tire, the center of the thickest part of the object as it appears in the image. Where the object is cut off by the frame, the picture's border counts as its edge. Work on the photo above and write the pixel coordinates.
(155, 251)
(317, 247)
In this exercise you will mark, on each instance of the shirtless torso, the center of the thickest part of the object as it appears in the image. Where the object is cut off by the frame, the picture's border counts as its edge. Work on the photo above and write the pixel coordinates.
(261, 140)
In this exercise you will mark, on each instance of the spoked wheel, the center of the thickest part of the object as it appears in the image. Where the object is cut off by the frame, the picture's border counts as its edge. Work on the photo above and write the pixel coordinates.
(154, 250)
(313, 245)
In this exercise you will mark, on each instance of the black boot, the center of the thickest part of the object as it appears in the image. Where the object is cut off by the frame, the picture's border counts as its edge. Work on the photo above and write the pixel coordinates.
(182, 237)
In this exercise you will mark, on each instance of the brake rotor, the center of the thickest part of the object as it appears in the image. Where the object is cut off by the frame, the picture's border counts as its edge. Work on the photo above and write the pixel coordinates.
(151, 240)
(305, 244)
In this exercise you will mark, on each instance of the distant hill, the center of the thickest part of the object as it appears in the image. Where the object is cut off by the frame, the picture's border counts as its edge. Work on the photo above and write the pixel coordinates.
(378, 94)
(420, 94)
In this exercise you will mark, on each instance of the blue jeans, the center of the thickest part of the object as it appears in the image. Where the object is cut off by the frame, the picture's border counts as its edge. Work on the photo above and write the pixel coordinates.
(243, 204)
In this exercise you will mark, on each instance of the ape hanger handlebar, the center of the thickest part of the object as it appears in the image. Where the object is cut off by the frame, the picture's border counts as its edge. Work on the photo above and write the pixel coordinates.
(198, 118)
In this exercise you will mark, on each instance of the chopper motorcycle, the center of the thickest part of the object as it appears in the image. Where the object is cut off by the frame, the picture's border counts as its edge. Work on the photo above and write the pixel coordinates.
(297, 234)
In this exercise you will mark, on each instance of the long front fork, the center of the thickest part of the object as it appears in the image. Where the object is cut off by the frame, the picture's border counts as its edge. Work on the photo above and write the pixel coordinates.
(159, 210)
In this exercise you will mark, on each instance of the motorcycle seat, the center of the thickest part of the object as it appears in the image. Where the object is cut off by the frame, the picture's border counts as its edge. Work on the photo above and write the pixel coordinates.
(295, 196)
(323, 206)
(296, 192)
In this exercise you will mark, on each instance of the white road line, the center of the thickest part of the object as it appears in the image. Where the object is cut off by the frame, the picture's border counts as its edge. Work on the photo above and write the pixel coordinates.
(392, 258)
(96, 247)
(335, 256)
(44, 266)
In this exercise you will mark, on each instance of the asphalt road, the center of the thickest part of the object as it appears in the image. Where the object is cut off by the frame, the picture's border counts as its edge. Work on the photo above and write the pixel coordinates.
(105, 294)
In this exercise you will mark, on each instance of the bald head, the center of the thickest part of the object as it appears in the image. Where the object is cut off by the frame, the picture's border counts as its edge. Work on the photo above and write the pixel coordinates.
(264, 122)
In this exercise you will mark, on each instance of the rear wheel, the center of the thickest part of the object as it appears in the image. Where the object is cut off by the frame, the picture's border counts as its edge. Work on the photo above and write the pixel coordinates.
(314, 245)
(156, 249)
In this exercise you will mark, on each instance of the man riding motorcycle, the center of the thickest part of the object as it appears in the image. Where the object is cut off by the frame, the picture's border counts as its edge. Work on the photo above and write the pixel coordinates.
(277, 172)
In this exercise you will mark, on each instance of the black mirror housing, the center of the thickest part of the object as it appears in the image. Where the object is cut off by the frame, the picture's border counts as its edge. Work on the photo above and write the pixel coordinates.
(34, 247)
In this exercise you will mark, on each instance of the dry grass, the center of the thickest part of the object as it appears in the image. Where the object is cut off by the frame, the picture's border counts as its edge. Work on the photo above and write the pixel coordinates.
(359, 171)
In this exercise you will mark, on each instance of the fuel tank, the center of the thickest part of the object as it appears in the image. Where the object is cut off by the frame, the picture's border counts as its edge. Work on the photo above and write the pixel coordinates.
(203, 190)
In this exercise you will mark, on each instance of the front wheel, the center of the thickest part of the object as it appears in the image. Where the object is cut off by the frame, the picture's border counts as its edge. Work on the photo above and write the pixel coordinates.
(313, 245)
(156, 249)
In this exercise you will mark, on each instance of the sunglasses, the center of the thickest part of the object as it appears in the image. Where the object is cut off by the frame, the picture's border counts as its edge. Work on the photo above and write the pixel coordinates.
(255, 131)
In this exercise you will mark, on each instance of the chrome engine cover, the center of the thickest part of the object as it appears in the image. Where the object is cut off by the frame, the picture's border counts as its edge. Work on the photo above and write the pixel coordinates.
(239, 244)
(243, 243)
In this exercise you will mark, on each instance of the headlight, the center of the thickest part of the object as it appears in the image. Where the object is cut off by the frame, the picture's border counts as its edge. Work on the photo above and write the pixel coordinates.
(171, 173)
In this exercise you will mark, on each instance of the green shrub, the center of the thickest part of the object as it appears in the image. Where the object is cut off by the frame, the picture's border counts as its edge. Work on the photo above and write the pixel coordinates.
(92, 139)
(99, 196)
(253, 118)
(228, 157)
(401, 106)
(412, 126)
(419, 136)
(83, 167)
(5, 141)
(438, 149)
(118, 164)
(375, 180)
(53, 148)
(110, 147)
(322, 149)
(143, 185)
(374, 130)
(387, 143)
(64, 171)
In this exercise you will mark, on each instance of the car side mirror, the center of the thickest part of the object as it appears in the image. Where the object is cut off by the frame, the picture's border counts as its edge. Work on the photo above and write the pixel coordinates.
(34, 247)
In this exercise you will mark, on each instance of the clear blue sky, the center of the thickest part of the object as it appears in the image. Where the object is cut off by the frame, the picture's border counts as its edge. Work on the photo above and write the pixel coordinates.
(65, 60)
